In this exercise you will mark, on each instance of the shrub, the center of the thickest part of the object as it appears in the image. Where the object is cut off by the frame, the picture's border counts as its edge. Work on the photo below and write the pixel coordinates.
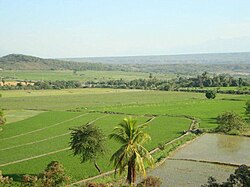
(241, 177)
(161, 146)
(150, 182)
(30, 180)
(94, 184)
(234, 132)
(230, 122)
(5, 181)
(210, 94)
(54, 175)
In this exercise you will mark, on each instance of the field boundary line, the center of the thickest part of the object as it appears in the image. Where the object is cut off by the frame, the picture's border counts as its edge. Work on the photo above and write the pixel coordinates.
(50, 138)
(34, 157)
(208, 162)
(34, 142)
(37, 130)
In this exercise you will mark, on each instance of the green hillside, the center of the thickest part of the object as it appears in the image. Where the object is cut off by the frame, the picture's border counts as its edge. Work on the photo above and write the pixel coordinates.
(24, 62)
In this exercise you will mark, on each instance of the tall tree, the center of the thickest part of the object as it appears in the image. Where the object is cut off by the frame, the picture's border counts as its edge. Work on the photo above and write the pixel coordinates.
(88, 142)
(131, 154)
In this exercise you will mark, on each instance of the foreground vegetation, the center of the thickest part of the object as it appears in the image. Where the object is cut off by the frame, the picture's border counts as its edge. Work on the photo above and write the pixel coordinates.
(26, 146)
(241, 177)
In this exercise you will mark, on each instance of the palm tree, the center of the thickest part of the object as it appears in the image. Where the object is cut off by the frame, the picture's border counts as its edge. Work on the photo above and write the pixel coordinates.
(88, 142)
(131, 154)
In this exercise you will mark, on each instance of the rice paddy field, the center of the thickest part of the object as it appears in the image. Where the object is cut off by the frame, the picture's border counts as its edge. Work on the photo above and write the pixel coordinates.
(39, 123)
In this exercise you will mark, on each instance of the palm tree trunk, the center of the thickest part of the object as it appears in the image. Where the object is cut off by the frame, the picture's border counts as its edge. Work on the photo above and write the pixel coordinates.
(97, 167)
(129, 175)
(133, 174)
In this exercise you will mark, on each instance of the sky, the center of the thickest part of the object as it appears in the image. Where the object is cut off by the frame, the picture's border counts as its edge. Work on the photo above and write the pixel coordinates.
(84, 28)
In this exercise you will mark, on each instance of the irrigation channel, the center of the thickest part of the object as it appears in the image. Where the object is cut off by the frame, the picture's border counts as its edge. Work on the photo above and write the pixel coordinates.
(214, 155)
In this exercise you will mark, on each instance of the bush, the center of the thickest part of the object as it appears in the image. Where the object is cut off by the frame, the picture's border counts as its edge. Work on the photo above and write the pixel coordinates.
(5, 181)
(241, 177)
(234, 132)
(94, 184)
(150, 182)
(30, 181)
(230, 122)
(210, 94)
(54, 175)
(161, 146)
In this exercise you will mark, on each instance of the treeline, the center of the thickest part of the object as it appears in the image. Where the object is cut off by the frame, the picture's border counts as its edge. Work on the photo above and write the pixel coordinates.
(181, 82)
(177, 84)
(204, 80)
(44, 85)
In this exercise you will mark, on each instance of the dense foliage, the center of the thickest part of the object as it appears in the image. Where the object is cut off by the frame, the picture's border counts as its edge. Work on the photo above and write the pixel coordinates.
(241, 177)
(230, 122)
(53, 176)
(88, 142)
(150, 182)
(210, 94)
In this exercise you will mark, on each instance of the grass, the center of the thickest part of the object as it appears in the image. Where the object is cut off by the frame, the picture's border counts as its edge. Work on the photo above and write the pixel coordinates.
(43, 118)
(18, 115)
(20, 145)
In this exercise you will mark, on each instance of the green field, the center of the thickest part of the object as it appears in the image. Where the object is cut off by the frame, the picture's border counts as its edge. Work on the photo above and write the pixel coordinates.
(50, 75)
(38, 131)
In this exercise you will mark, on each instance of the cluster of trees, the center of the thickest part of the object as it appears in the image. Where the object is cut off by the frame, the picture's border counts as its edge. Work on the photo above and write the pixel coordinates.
(156, 84)
(204, 80)
(241, 177)
(44, 85)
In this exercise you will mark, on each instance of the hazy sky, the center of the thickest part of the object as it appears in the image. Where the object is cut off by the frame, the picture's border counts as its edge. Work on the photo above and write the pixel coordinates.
(79, 28)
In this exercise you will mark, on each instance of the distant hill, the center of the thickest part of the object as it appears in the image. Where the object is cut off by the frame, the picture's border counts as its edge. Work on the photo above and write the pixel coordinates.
(24, 62)
(231, 63)
(213, 58)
